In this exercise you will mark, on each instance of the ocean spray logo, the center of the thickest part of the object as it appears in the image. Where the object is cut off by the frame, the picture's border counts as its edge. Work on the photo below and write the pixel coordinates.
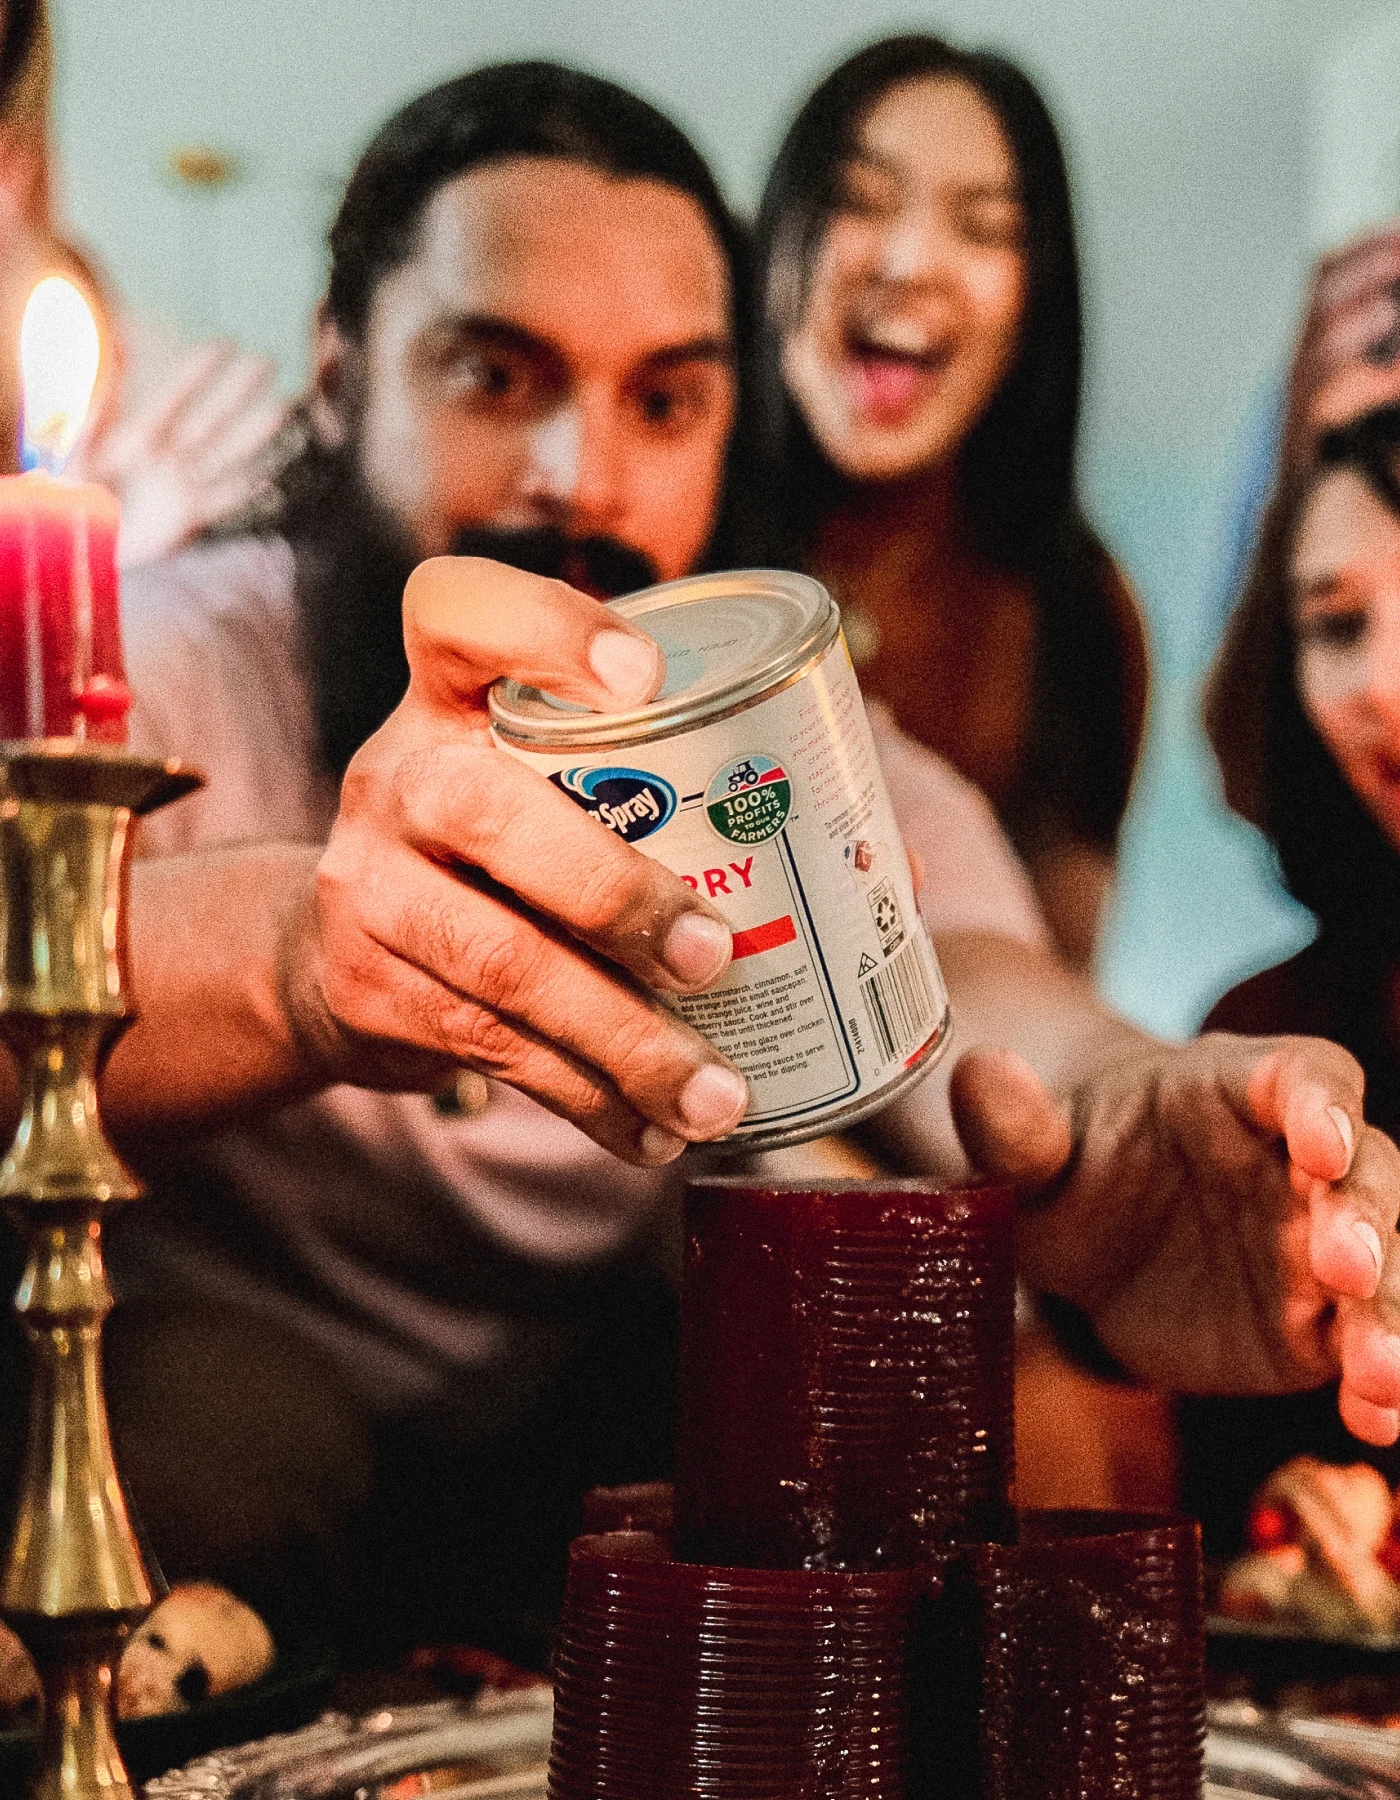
(628, 801)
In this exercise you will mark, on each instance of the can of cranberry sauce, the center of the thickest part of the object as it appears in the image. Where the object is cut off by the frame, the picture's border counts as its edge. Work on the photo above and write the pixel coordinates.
(753, 775)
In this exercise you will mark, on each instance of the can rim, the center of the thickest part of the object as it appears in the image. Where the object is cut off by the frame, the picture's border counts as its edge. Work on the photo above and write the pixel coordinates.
(694, 705)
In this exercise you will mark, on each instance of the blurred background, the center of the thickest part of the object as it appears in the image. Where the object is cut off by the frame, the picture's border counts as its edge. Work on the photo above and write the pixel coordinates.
(1216, 147)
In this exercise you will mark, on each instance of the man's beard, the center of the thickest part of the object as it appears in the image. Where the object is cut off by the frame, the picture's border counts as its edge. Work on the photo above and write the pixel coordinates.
(352, 562)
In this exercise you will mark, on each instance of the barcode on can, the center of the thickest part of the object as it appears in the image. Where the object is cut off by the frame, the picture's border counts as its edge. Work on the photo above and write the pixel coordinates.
(899, 1002)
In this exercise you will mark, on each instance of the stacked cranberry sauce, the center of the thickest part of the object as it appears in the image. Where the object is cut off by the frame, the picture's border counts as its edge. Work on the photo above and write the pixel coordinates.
(840, 1599)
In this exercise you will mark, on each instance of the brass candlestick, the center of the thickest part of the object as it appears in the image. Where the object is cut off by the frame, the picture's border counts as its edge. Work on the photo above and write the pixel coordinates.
(75, 1583)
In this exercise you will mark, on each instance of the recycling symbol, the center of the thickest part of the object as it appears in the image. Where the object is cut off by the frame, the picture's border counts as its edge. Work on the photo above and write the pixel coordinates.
(867, 963)
(889, 921)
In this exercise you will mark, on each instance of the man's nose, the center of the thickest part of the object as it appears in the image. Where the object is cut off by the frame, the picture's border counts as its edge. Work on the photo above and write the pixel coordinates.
(575, 465)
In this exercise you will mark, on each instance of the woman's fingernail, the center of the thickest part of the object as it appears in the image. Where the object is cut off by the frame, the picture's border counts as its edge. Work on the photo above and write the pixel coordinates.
(658, 1146)
(713, 1099)
(1371, 1239)
(1342, 1120)
(629, 667)
(696, 948)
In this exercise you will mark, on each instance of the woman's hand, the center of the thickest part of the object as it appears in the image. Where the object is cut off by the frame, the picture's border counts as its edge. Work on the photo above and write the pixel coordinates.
(189, 454)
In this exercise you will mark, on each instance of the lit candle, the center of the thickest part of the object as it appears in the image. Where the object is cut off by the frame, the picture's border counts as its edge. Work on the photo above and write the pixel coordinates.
(61, 672)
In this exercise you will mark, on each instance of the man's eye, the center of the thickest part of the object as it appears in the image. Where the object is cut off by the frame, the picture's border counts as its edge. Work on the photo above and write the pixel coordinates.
(658, 407)
(492, 378)
(668, 408)
(495, 377)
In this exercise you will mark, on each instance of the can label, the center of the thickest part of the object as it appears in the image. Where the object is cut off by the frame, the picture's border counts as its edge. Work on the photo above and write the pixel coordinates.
(778, 814)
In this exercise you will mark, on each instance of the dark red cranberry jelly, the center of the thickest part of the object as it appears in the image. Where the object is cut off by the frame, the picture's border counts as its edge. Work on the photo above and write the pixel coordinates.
(674, 1680)
(1067, 1666)
(845, 1373)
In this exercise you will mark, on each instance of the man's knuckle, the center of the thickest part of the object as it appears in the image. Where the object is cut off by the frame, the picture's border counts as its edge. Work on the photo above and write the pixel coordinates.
(432, 932)
(641, 1042)
(508, 966)
(484, 1039)
(624, 897)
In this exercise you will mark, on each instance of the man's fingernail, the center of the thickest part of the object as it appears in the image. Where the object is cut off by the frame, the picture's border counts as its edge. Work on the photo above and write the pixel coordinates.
(1342, 1120)
(713, 1099)
(696, 947)
(658, 1146)
(1370, 1238)
(627, 666)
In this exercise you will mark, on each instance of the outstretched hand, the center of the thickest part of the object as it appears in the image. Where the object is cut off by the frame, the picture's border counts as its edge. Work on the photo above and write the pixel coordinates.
(1219, 1210)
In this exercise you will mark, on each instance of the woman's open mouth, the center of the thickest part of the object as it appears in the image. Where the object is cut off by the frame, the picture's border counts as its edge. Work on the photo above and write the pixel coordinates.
(891, 369)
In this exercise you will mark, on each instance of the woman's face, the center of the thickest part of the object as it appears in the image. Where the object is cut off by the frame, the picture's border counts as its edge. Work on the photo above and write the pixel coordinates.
(914, 307)
(1345, 580)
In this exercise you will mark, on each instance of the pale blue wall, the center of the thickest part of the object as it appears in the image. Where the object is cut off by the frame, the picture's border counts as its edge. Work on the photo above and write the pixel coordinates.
(1188, 128)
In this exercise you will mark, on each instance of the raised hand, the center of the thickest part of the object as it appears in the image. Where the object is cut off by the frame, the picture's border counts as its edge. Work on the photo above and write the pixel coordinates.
(1348, 355)
(191, 453)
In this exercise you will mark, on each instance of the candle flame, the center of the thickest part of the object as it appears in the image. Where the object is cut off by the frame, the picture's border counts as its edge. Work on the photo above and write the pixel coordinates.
(58, 357)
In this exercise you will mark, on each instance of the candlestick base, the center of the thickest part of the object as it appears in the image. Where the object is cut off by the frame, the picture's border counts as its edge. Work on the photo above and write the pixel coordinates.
(75, 1582)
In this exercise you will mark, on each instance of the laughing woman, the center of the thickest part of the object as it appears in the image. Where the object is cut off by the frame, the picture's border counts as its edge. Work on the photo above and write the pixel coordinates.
(922, 348)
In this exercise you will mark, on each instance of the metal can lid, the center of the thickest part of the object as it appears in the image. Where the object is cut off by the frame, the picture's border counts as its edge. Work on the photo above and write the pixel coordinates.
(728, 639)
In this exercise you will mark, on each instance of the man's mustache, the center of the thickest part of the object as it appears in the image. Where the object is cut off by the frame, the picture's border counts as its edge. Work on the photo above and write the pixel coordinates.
(599, 565)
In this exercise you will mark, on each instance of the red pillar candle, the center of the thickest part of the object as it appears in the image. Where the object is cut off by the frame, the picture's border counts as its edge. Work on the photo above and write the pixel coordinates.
(845, 1373)
(61, 672)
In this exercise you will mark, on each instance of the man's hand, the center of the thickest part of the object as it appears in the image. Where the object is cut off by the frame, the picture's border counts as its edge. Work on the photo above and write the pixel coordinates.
(466, 913)
(1219, 1210)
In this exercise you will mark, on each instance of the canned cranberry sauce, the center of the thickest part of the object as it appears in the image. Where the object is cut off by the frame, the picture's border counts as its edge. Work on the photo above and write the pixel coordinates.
(753, 776)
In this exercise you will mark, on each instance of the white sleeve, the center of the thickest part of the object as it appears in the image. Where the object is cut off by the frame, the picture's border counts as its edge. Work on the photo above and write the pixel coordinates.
(973, 879)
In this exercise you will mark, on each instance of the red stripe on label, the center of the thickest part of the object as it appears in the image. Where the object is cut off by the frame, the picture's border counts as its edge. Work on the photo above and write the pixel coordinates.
(771, 775)
(764, 937)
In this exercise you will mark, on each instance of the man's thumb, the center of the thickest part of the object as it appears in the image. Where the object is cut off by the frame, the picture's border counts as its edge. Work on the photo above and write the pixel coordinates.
(1010, 1127)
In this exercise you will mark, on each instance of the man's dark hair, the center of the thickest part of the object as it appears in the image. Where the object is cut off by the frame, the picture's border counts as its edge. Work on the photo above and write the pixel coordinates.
(1018, 466)
(505, 110)
(536, 109)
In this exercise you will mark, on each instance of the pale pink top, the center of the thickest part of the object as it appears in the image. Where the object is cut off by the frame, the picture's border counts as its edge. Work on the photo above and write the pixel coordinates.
(379, 1228)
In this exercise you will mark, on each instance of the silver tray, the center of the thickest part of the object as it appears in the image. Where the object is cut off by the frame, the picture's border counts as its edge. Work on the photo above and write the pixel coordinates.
(1250, 1755)
(1274, 1757)
(340, 1756)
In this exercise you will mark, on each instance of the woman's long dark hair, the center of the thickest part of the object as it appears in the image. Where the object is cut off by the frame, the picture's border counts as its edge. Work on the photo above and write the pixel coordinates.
(1017, 467)
(1277, 771)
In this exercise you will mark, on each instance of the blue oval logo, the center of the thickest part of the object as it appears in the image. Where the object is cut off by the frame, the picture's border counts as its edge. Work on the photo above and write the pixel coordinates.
(628, 801)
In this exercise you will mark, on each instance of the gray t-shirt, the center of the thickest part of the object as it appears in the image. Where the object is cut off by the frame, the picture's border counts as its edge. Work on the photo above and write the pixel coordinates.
(421, 1252)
